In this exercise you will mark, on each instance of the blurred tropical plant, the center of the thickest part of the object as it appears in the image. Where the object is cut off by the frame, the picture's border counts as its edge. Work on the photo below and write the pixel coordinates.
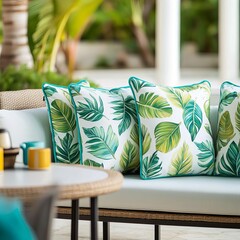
(113, 21)
(137, 7)
(123, 20)
(199, 24)
(13, 78)
(51, 22)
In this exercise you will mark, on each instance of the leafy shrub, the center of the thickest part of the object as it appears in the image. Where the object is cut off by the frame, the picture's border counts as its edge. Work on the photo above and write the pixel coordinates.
(25, 78)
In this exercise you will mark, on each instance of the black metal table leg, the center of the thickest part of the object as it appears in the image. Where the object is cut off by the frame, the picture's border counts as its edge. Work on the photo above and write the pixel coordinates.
(156, 232)
(74, 220)
(94, 218)
(106, 231)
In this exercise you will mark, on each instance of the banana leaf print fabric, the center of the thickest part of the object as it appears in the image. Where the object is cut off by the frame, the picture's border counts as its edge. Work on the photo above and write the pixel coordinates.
(228, 131)
(107, 125)
(62, 123)
(175, 132)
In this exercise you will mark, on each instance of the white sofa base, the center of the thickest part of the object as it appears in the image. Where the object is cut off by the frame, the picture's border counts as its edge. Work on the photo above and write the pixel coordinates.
(197, 195)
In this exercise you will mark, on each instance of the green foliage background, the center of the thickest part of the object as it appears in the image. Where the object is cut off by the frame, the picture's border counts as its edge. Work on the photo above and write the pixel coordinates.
(199, 23)
(112, 21)
(25, 78)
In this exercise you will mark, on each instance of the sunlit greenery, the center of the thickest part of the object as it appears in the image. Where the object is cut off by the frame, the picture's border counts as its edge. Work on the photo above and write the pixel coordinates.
(199, 24)
(113, 21)
(52, 21)
(24, 78)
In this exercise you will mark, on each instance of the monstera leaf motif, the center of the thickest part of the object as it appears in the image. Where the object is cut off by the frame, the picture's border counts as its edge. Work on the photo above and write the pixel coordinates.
(49, 90)
(226, 99)
(181, 163)
(91, 110)
(231, 165)
(92, 163)
(225, 130)
(153, 106)
(101, 144)
(138, 84)
(237, 118)
(192, 116)
(67, 152)
(167, 136)
(151, 167)
(129, 159)
(63, 118)
(124, 110)
(206, 156)
(178, 97)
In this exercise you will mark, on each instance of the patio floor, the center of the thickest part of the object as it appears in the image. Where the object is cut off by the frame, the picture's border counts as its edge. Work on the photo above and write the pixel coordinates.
(120, 231)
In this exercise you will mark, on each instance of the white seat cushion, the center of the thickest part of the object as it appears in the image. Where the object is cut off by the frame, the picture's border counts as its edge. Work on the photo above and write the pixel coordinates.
(195, 194)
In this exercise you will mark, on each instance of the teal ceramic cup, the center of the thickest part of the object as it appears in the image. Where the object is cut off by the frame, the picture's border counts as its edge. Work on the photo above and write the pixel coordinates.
(26, 145)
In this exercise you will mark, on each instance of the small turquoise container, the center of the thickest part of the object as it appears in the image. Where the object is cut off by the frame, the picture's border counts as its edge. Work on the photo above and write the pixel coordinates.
(26, 145)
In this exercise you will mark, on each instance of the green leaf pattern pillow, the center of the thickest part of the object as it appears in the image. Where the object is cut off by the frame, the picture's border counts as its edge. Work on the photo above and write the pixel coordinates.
(175, 132)
(62, 122)
(107, 125)
(228, 131)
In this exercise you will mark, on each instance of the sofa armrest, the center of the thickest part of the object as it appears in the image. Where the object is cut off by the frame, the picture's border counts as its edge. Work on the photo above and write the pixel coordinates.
(21, 99)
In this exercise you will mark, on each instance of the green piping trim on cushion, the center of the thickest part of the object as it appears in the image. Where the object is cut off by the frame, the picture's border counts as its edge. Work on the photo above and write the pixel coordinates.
(49, 114)
(222, 88)
(221, 155)
(71, 86)
(224, 85)
(118, 88)
(103, 90)
(229, 83)
(50, 120)
(139, 121)
(139, 126)
(190, 85)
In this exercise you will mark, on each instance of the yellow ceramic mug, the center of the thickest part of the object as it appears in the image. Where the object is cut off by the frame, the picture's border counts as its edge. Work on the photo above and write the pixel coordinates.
(1, 159)
(39, 158)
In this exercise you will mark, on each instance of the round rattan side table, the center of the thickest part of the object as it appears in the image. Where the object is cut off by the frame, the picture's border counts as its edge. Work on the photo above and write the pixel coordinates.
(73, 181)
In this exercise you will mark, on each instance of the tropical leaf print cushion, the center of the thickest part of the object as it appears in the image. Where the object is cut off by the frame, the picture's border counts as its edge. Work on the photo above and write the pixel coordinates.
(175, 132)
(228, 132)
(107, 125)
(62, 123)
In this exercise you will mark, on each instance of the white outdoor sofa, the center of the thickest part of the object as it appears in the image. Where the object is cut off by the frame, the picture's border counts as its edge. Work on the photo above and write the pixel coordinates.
(204, 201)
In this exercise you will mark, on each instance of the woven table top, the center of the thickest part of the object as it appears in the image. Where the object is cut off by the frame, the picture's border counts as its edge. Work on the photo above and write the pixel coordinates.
(73, 181)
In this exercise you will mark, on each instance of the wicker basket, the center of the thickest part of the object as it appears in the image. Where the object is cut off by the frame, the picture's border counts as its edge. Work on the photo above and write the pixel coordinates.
(10, 157)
